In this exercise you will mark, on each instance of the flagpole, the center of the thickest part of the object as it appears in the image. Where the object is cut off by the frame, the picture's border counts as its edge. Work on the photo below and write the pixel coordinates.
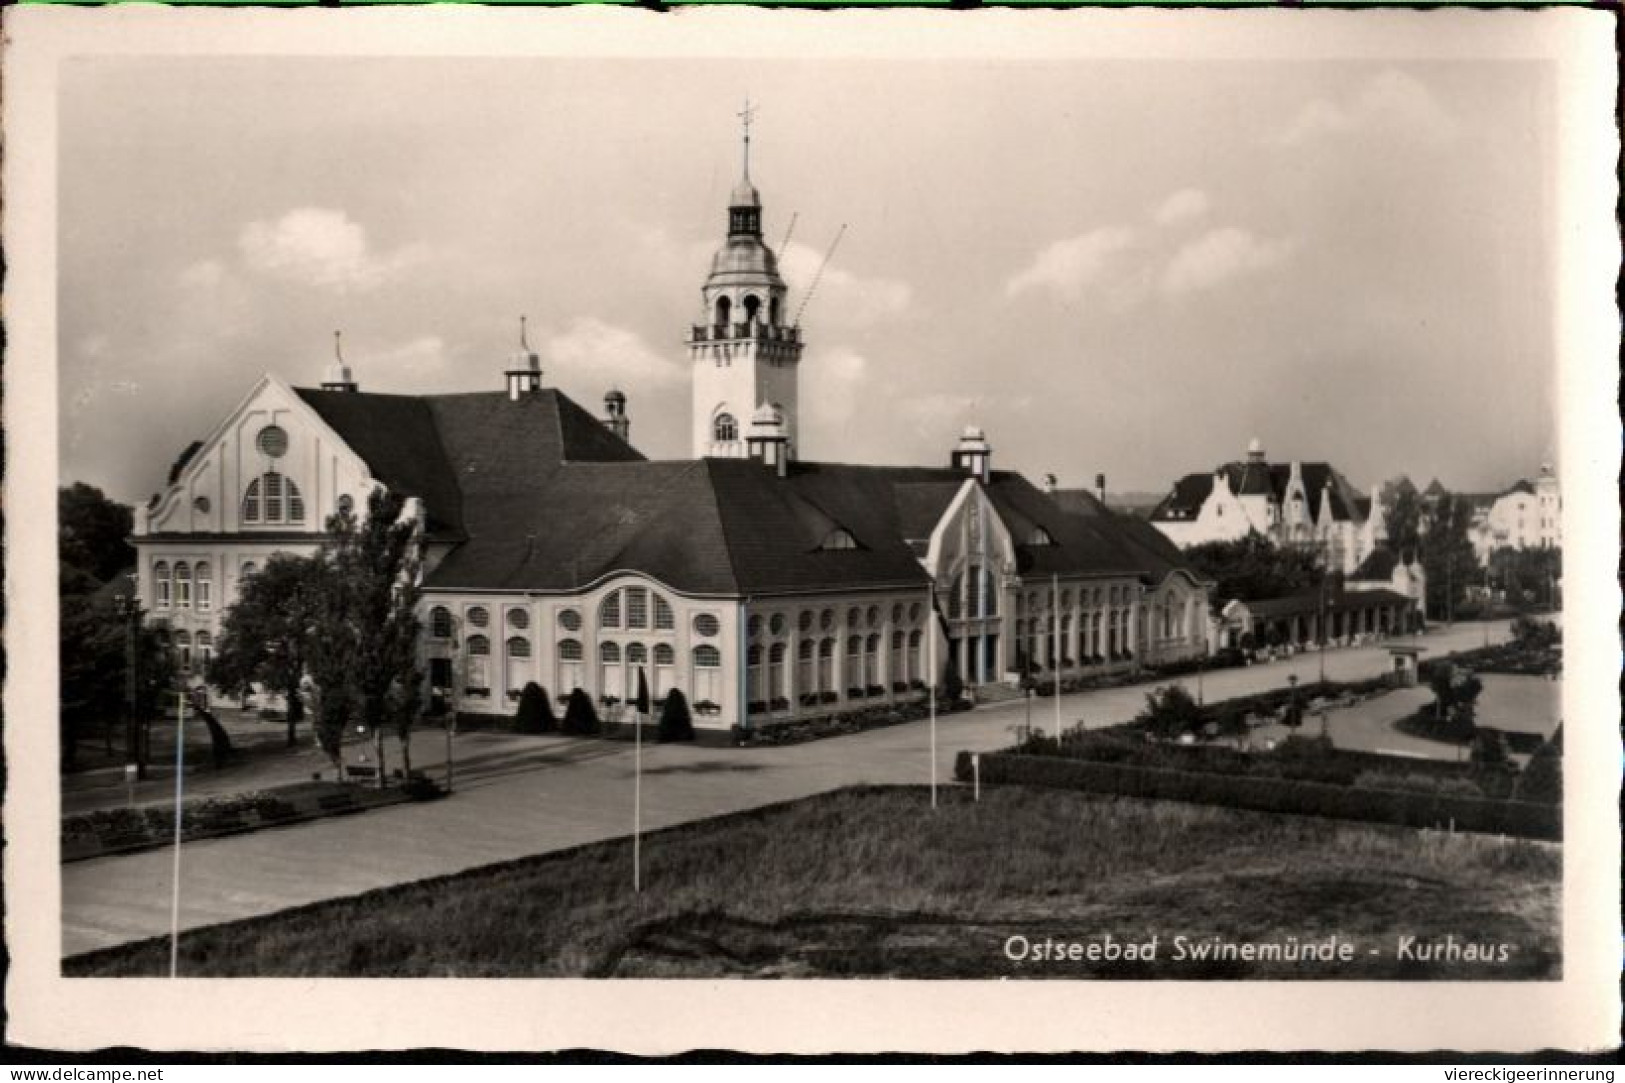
(931, 678)
(637, 799)
(1055, 660)
(175, 891)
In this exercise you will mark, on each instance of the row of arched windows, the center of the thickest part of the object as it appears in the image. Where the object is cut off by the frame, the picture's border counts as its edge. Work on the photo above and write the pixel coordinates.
(632, 609)
(777, 625)
(185, 586)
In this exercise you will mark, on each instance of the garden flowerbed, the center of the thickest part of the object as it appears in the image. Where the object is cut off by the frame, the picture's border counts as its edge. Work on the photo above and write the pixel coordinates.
(795, 731)
(128, 830)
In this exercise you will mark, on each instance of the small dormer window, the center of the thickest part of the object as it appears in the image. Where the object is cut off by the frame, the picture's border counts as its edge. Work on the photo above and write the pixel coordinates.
(838, 538)
(1039, 537)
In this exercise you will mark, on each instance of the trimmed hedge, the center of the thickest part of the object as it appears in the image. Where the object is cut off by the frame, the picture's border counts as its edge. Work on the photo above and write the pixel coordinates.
(1261, 794)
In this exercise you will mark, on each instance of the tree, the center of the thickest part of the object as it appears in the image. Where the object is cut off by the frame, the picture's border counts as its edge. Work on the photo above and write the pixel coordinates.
(1253, 568)
(265, 636)
(1448, 557)
(1401, 514)
(92, 531)
(1171, 712)
(580, 717)
(675, 722)
(535, 713)
(1542, 777)
(367, 620)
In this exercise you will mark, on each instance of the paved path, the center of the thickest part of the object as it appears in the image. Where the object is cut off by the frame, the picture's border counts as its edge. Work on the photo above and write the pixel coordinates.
(517, 796)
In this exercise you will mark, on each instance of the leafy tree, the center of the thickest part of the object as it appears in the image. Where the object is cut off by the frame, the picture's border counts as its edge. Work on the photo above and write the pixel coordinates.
(92, 531)
(1401, 514)
(266, 635)
(1171, 712)
(92, 675)
(366, 621)
(1448, 557)
(580, 717)
(1490, 749)
(535, 713)
(1253, 568)
(675, 722)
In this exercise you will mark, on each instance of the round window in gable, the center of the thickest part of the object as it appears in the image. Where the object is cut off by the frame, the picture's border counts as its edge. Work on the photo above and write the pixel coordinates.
(776, 624)
(518, 618)
(479, 616)
(201, 504)
(272, 441)
(570, 620)
(706, 625)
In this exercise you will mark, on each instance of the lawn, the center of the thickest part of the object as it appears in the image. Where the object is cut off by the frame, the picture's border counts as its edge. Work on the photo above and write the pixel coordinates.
(871, 882)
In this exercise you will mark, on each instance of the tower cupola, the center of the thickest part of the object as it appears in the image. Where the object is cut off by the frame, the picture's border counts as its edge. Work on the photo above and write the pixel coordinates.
(973, 454)
(338, 377)
(524, 373)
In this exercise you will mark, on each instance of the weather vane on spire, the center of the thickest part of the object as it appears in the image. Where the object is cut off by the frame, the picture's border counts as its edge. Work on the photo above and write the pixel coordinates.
(338, 349)
(745, 116)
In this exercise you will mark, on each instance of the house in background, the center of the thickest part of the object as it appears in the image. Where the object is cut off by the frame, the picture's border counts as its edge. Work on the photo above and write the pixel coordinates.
(1527, 515)
(1307, 504)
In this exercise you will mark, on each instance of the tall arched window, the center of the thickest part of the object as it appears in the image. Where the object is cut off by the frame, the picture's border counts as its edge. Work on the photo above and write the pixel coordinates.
(183, 648)
(915, 672)
(479, 673)
(664, 620)
(826, 665)
(205, 585)
(183, 585)
(570, 659)
(707, 677)
(440, 622)
(778, 684)
(665, 660)
(205, 651)
(806, 671)
(637, 608)
(609, 611)
(854, 665)
(611, 679)
(725, 429)
(871, 660)
(161, 584)
(724, 310)
(273, 498)
(899, 662)
(753, 675)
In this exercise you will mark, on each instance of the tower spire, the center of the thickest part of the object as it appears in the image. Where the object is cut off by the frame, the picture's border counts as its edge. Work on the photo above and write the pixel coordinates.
(338, 376)
(745, 116)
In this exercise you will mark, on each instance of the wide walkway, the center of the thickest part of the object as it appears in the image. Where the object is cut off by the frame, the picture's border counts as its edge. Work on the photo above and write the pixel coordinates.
(517, 796)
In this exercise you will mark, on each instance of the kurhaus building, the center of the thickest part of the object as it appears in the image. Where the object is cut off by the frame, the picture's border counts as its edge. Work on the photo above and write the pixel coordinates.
(762, 585)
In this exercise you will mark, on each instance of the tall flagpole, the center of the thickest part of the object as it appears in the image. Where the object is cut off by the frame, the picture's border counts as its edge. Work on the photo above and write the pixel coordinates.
(175, 891)
(637, 801)
(1055, 625)
(931, 678)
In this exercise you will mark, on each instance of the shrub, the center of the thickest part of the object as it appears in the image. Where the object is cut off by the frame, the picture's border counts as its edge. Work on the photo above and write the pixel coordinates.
(580, 717)
(535, 713)
(1542, 777)
(675, 723)
(1171, 712)
(1490, 749)
(1417, 783)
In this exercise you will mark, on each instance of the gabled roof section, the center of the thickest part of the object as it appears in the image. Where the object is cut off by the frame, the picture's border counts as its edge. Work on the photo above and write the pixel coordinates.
(1081, 544)
(1378, 565)
(1186, 499)
(1078, 502)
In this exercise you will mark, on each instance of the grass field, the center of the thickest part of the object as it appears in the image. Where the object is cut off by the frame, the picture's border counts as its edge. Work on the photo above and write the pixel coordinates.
(872, 883)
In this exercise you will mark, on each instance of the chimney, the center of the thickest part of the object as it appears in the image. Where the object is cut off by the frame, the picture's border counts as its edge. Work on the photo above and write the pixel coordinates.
(1050, 484)
(1255, 450)
(1100, 489)
(524, 372)
(972, 454)
(615, 419)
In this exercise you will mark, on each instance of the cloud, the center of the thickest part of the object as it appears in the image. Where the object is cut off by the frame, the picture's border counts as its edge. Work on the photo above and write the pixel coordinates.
(1183, 206)
(591, 349)
(1220, 255)
(323, 248)
(1390, 101)
(832, 381)
(1068, 266)
(855, 299)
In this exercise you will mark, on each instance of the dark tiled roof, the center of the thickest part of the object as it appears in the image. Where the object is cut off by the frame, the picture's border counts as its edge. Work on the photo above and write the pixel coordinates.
(448, 448)
(1379, 565)
(1186, 498)
(1253, 478)
(1310, 602)
(1078, 502)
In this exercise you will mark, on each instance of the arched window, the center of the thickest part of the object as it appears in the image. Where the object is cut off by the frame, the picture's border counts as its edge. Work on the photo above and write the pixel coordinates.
(854, 665)
(753, 305)
(609, 652)
(773, 311)
(183, 585)
(479, 616)
(569, 650)
(706, 680)
(161, 584)
(724, 310)
(826, 665)
(273, 498)
(753, 675)
(1039, 537)
(518, 647)
(183, 648)
(806, 670)
(665, 659)
(838, 539)
(609, 611)
(665, 655)
(478, 646)
(871, 660)
(637, 654)
(707, 657)
(899, 660)
(664, 620)
(249, 569)
(440, 622)
(778, 685)
(205, 651)
(205, 585)
(479, 671)
(725, 429)
(915, 672)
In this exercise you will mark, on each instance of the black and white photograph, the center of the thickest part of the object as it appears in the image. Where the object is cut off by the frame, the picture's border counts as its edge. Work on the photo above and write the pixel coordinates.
(1052, 505)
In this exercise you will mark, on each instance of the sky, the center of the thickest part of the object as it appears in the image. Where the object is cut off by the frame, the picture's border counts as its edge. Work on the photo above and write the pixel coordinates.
(1126, 267)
